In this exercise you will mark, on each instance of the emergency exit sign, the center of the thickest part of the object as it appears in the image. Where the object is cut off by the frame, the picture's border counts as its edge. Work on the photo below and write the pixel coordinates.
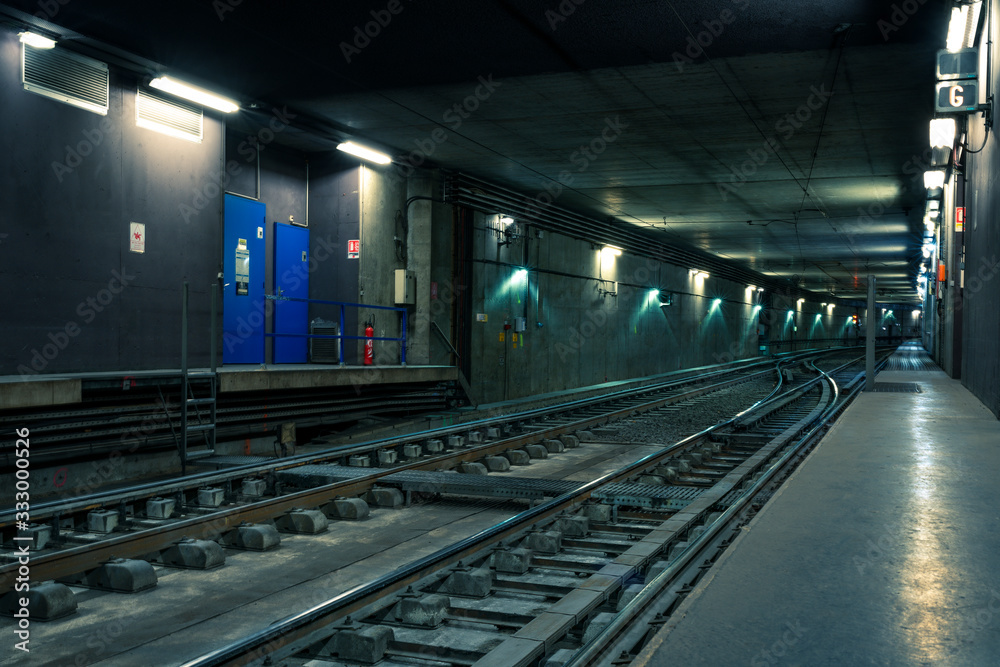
(354, 249)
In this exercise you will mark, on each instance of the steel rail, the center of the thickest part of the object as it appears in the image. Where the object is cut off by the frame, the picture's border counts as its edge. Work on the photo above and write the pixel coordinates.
(603, 646)
(66, 562)
(289, 635)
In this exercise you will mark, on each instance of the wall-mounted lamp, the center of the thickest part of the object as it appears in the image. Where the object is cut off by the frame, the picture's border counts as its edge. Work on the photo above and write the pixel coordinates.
(506, 220)
(666, 299)
(611, 251)
(36, 41)
(698, 274)
(194, 94)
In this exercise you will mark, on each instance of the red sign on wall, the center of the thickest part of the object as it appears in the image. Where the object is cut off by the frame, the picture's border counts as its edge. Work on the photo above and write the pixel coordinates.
(960, 219)
(354, 249)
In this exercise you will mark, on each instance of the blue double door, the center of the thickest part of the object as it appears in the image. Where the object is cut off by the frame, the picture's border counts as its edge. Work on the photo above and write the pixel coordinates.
(245, 299)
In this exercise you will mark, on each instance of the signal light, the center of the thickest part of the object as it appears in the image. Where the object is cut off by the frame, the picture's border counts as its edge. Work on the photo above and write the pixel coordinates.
(854, 319)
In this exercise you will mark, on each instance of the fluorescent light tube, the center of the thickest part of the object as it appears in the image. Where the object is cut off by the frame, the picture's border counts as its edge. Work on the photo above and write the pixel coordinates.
(193, 94)
(364, 153)
(37, 41)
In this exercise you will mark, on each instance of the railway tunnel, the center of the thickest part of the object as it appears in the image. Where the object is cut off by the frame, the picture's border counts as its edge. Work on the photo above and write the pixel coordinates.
(574, 331)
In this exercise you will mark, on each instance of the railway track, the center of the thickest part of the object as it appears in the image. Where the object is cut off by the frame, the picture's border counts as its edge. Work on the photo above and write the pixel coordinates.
(634, 511)
(572, 581)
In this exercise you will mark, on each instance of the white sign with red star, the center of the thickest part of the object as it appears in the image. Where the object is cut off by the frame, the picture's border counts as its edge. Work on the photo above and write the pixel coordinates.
(137, 237)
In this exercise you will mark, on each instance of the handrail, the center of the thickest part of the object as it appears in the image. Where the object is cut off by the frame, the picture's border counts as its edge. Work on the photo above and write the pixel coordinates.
(341, 336)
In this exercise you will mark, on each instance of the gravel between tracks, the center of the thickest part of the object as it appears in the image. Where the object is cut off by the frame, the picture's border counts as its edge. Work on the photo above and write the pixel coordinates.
(667, 427)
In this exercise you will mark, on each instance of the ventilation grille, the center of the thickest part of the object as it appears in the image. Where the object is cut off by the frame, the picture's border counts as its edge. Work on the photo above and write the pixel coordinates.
(898, 387)
(324, 350)
(159, 113)
(67, 77)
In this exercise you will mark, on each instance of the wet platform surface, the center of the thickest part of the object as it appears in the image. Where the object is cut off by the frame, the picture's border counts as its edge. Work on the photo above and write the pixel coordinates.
(883, 548)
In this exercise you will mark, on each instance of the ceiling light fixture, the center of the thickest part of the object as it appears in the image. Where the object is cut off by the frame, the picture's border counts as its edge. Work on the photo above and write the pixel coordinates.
(934, 179)
(943, 132)
(963, 25)
(37, 41)
(364, 153)
(194, 94)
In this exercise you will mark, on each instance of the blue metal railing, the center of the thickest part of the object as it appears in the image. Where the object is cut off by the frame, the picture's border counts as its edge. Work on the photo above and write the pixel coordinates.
(344, 305)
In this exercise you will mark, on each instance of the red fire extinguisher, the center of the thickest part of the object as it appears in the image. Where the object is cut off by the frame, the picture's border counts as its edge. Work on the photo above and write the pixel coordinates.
(369, 345)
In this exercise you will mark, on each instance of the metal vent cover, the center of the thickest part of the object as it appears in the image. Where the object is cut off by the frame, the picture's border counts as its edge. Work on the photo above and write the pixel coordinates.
(66, 77)
(898, 387)
(324, 350)
(168, 116)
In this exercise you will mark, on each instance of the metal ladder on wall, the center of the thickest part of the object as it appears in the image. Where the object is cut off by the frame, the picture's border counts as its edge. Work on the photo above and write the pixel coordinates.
(199, 393)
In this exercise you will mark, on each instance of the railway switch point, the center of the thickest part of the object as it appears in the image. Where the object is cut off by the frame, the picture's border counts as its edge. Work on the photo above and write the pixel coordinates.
(46, 601)
(347, 508)
(303, 522)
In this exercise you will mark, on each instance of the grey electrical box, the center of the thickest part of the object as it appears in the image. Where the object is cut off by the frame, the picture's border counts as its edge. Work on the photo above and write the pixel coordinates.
(520, 323)
(406, 287)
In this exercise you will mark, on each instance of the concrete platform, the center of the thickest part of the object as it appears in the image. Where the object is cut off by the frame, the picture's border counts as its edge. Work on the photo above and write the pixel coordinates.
(298, 376)
(883, 548)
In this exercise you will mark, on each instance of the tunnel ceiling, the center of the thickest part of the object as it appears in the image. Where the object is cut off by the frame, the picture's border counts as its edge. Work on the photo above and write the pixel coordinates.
(784, 135)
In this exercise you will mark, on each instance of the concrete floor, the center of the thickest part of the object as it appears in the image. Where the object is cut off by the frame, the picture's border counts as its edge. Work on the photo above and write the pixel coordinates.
(882, 549)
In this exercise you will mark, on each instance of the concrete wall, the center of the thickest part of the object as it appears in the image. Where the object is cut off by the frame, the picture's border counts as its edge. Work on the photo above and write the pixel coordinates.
(978, 307)
(577, 334)
(71, 181)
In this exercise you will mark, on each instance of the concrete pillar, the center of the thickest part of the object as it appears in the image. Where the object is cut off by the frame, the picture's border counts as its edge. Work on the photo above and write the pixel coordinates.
(418, 259)
(871, 323)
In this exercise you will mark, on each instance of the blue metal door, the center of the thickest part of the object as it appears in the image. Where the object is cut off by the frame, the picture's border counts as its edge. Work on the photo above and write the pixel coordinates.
(291, 280)
(243, 304)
